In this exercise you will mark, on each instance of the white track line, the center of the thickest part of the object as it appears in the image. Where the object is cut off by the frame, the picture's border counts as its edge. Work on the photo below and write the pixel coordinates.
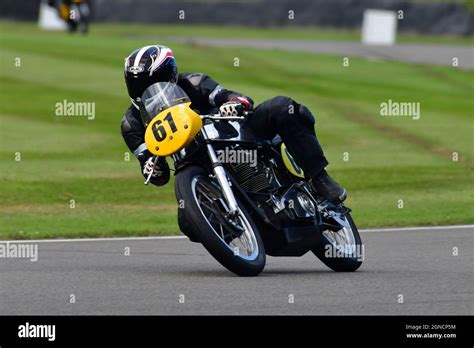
(111, 239)
(421, 228)
(403, 229)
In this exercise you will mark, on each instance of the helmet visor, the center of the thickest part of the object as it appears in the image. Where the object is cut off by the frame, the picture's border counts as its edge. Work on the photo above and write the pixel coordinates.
(136, 84)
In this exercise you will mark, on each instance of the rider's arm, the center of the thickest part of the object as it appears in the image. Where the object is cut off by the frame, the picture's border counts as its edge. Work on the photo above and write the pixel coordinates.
(133, 131)
(202, 89)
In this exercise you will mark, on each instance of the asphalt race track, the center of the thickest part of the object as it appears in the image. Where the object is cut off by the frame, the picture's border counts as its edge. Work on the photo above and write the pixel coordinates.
(410, 53)
(416, 263)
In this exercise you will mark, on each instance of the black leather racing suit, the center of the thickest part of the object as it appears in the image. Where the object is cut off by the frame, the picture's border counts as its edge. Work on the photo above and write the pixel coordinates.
(278, 115)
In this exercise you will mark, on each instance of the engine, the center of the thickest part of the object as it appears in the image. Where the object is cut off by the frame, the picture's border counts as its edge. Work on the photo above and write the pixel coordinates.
(289, 199)
(255, 179)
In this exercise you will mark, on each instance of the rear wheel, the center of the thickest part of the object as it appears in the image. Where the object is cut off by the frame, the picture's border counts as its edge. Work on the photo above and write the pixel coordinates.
(341, 250)
(233, 241)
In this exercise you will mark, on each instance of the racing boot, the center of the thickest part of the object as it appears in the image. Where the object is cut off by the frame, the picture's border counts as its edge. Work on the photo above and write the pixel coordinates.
(327, 188)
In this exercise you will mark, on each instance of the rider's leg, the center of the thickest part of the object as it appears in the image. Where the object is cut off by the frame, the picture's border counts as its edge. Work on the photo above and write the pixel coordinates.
(295, 124)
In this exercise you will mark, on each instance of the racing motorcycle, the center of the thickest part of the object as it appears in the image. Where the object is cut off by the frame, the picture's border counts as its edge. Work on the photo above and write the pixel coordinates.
(76, 13)
(241, 211)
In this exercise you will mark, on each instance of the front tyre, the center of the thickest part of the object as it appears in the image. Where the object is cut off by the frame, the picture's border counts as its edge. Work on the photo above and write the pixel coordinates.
(341, 250)
(233, 241)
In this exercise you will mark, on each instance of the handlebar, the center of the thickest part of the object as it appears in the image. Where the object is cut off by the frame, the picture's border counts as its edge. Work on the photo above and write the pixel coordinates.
(228, 118)
(204, 117)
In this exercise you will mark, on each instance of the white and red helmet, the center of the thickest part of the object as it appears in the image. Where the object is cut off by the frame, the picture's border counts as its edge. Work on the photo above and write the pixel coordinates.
(146, 66)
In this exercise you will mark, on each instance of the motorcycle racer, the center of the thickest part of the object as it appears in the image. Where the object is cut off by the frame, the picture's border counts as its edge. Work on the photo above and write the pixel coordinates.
(280, 115)
(75, 13)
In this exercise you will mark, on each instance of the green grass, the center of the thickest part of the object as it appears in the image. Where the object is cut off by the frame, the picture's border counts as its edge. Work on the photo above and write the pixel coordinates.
(64, 159)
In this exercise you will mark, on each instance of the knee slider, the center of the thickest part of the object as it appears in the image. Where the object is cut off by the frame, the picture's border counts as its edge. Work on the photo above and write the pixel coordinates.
(306, 116)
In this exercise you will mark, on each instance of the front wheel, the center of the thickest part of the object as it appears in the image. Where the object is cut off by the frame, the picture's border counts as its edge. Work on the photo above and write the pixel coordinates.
(341, 250)
(233, 241)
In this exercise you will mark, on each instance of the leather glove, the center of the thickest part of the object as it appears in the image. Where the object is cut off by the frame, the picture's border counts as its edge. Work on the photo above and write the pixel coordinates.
(232, 109)
(160, 169)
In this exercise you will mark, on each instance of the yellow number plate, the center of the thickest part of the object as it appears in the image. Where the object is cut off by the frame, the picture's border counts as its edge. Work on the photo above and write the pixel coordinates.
(172, 129)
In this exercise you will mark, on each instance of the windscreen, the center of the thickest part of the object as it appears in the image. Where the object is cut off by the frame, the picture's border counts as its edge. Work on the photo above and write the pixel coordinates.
(158, 97)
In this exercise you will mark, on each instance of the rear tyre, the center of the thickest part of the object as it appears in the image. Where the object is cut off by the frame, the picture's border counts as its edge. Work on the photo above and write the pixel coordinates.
(342, 251)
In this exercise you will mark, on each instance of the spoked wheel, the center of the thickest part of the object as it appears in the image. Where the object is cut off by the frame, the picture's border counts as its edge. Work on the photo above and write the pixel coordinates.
(234, 241)
(341, 249)
(235, 232)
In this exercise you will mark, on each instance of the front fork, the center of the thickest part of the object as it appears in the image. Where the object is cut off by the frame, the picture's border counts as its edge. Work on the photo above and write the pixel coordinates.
(221, 177)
